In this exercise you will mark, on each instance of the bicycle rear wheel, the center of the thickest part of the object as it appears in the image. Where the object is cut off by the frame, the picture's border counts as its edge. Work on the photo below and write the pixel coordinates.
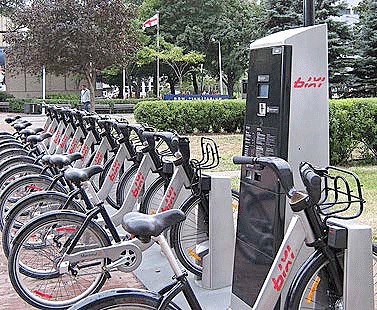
(35, 255)
(33, 206)
(122, 299)
(315, 288)
(22, 187)
(11, 153)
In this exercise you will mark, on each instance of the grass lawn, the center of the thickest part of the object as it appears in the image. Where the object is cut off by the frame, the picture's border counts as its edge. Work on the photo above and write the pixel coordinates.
(230, 145)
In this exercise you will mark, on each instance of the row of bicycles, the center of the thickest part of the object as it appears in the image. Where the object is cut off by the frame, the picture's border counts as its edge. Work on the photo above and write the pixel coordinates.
(86, 195)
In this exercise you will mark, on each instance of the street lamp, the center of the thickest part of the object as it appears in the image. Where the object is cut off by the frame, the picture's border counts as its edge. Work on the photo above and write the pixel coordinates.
(220, 70)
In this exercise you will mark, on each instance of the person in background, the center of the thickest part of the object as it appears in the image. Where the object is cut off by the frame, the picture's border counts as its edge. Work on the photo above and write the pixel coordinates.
(85, 97)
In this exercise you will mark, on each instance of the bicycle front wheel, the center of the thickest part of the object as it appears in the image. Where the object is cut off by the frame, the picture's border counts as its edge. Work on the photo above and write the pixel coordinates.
(190, 238)
(122, 299)
(315, 289)
(37, 251)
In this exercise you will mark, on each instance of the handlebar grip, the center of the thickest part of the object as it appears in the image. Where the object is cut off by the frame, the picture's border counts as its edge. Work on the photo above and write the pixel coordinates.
(312, 182)
(244, 160)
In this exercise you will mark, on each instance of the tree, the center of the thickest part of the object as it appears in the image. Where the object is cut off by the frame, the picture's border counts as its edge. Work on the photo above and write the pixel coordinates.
(72, 36)
(181, 63)
(8, 6)
(193, 24)
(341, 50)
(279, 15)
(366, 63)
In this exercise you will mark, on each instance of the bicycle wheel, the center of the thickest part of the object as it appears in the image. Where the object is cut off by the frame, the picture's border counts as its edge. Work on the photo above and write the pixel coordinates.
(22, 187)
(11, 145)
(122, 299)
(32, 206)
(17, 172)
(35, 255)
(187, 236)
(153, 197)
(15, 161)
(11, 153)
(111, 198)
(315, 288)
(125, 183)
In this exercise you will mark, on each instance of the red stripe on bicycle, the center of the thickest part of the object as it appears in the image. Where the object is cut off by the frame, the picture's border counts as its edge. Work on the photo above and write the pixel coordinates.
(66, 229)
(34, 187)
(43, 295)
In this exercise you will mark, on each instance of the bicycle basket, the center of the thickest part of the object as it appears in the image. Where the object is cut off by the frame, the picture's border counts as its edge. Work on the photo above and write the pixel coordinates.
(341, 194)
(209, 159)
(209, 155)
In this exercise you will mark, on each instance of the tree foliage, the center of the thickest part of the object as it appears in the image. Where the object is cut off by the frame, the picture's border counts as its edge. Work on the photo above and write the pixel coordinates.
(72, 36)
(193, 24)
(174, 56)
(280, 15)
(366, 63)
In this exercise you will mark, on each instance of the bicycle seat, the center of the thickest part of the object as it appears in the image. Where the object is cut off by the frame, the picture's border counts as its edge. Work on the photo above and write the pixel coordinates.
(33, 139)
(27, 132)
(77, 176)
(11, 119)
(144, 225)
(38, 129)
(60, 160)
(20, 126)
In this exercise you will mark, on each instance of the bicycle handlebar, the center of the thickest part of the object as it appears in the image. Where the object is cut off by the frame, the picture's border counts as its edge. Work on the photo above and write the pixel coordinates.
(312, 182)
(280, 167)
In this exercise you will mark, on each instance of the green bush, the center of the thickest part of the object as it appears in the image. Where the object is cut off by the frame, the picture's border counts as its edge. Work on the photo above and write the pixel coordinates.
(353, 123)
(188, 116)
(64, 96)
(17, 104)
(4, 96)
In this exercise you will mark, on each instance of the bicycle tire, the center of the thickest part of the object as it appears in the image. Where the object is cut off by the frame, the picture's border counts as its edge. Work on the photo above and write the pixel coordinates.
(28, 208)
(15, 161)
(125, 183)
(153, 197)
(312, 279)
(11, 145)
(132, 299)
(8, 138)
(186, 235)
(31, 264)
(18, 171)
(11, 153)
(30, 183)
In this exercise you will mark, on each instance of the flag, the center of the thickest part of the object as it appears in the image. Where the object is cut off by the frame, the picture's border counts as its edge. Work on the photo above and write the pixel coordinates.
(150, 22)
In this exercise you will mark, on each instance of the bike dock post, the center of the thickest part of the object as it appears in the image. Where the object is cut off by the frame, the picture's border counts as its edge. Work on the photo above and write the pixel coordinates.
(218, 258)
(355, 238)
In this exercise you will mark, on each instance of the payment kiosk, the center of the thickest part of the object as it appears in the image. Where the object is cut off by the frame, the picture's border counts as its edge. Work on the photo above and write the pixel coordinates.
(286, 116)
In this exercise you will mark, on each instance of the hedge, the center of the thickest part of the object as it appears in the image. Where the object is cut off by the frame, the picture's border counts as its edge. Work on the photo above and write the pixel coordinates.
(17, 105)
(353, 122)
(188, 116)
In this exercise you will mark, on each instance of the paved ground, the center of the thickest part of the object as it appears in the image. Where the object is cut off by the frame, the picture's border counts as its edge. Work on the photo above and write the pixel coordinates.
(8, 297)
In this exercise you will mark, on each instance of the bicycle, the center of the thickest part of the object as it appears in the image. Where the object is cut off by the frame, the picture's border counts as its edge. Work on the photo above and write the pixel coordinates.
(85, 244)
(320, 281)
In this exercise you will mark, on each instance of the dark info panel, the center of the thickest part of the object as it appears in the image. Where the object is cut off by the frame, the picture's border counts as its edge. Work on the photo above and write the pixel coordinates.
(262, 204)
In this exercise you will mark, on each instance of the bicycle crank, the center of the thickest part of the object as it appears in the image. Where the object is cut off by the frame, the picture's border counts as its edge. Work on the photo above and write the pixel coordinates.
(129, 260)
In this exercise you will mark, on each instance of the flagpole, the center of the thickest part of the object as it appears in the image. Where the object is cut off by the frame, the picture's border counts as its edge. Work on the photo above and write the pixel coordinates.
(158, 58)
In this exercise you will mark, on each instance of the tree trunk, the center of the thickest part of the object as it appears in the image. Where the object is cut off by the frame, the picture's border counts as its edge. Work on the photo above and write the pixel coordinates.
(172, 84)
(195, 83)
(231, 82)
(180, 83)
